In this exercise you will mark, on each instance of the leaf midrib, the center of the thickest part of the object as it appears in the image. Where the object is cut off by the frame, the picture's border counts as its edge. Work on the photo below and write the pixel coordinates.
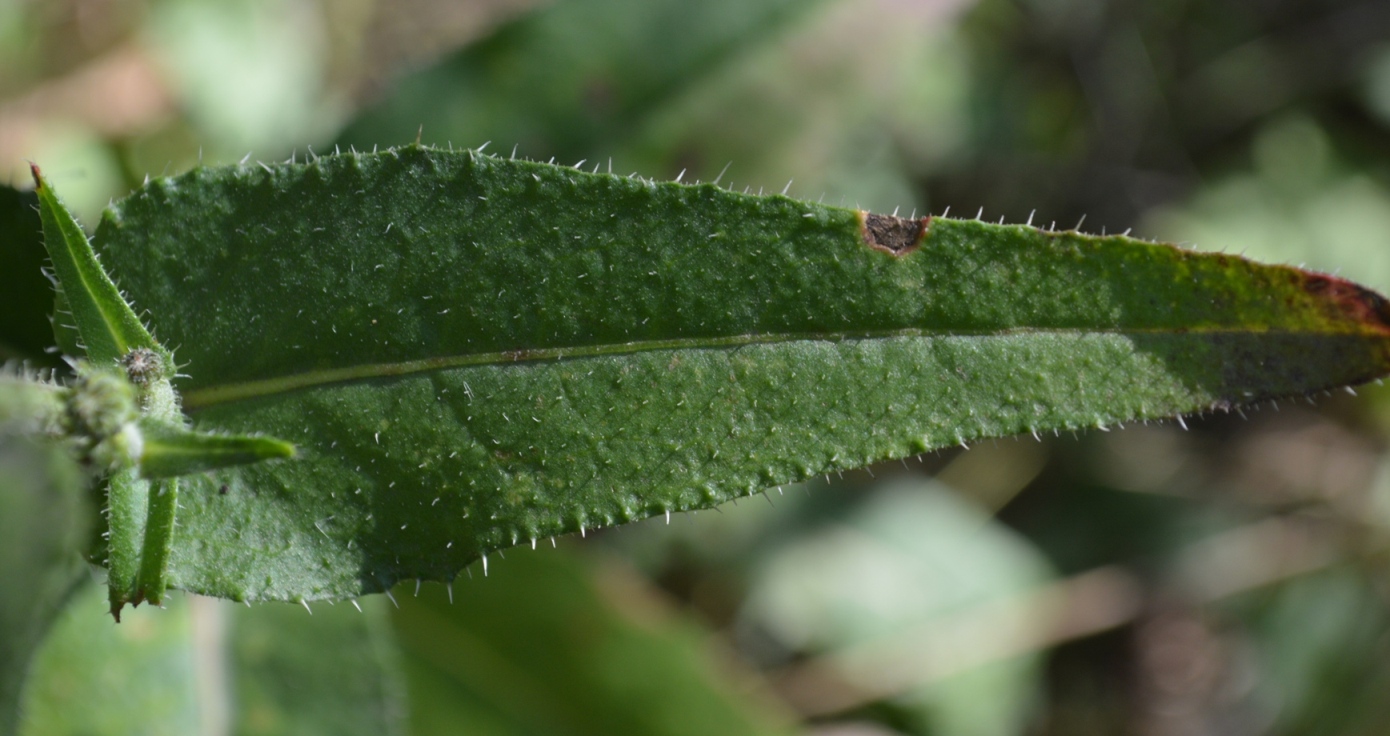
(203, 398)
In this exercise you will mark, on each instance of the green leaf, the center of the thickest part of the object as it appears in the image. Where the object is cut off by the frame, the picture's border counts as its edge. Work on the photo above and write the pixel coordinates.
(172, 450)
(204, 666)
(472, 352)
(109, 328)
(44, 515)
(65, 334)
(546, 646)
(25, 332)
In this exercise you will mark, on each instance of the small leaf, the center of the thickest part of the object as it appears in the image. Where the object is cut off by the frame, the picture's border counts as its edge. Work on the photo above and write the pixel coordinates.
(172, 451)
(109, 328)
(471, 352)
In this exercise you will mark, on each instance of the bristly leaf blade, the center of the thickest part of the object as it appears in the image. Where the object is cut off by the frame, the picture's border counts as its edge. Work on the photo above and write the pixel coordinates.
(108, 326)
(472, 352)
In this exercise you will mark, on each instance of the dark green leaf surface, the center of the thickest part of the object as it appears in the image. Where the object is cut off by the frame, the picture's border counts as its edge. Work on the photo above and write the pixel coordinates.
(546, 647)
(43, 525)
(471, 352)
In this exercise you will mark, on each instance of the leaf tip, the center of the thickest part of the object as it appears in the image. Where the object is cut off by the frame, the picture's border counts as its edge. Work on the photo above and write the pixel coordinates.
(169, 450)
(1360, 304)
(276, 449)
(38, 175)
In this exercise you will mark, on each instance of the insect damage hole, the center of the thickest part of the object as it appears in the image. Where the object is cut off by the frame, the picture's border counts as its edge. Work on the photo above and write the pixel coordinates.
(896, 236)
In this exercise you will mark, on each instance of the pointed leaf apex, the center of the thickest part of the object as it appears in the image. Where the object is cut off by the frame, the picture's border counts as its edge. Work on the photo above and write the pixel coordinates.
(105, 321)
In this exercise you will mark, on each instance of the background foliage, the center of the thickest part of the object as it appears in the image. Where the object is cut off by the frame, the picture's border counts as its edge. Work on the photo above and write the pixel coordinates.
(1229, 578)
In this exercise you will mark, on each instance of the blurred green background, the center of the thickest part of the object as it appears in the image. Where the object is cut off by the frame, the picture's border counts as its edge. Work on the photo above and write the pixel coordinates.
(1230, 577)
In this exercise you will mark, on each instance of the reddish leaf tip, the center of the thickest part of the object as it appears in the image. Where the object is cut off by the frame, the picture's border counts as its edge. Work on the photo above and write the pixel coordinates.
(1358, 303)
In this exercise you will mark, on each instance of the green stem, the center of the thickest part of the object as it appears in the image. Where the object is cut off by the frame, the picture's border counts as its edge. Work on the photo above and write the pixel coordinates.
(128, 498)
(159, 540)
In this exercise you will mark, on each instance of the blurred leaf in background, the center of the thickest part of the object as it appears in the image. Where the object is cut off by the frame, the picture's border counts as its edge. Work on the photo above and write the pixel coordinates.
(210, 667)
(124, 677)
(574, 78)
(808, 90)
(551, 643)
(248, 76)
(44, 517)
(896, 592)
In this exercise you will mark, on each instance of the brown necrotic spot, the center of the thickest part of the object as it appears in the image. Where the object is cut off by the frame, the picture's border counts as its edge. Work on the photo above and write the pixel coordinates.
(894, 235)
